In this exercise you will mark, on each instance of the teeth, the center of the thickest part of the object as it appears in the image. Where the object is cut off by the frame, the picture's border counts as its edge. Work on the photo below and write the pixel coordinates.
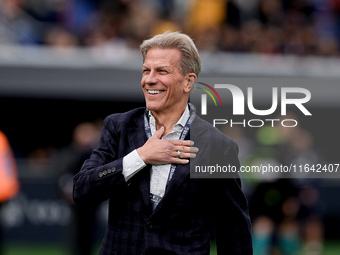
(154, 92)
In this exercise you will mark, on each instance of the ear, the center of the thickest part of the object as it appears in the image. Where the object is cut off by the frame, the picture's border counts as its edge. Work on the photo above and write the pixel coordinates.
(192, 78)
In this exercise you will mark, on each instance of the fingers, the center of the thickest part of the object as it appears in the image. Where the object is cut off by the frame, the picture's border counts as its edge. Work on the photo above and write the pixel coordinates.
(184, 155)
(182, 142)
(184, 152)
(162, 151)
(180, 161)
(159, 132)
(187, 149)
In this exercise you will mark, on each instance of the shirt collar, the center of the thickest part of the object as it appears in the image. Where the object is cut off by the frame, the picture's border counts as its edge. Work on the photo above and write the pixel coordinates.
(184, 118)
(181, 122)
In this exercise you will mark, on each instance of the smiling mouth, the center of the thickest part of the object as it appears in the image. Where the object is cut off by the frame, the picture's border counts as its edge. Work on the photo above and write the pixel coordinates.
(155, 92)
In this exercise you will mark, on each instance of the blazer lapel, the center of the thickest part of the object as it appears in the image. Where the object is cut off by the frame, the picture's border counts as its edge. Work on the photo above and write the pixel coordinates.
(182, 171)
(137, 138)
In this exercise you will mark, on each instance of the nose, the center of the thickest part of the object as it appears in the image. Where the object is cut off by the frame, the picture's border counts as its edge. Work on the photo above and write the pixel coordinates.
(151, 78)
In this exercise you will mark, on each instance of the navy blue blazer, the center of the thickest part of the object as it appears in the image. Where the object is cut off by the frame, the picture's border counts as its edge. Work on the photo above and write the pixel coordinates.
(192, 211)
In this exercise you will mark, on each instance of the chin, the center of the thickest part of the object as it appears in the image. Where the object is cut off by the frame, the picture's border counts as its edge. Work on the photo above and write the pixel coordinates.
(153, 107)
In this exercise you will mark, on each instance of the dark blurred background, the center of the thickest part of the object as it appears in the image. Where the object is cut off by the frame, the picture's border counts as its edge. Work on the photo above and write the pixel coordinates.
(67, 64)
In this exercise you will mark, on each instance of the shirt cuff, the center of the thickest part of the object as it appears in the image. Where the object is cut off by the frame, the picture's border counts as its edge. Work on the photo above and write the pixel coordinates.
(132, 164)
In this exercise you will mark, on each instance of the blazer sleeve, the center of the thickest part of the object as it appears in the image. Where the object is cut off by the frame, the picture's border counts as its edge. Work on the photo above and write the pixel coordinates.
(101, 174)
(230, 214)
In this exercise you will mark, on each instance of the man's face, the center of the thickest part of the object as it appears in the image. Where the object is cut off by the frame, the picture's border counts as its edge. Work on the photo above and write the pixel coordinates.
(165, 89)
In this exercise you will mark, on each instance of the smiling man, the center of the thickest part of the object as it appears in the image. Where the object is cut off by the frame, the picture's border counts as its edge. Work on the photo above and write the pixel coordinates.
(142, 165)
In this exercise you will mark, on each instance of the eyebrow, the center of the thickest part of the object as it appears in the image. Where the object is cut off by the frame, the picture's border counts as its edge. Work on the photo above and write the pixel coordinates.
(158, 67)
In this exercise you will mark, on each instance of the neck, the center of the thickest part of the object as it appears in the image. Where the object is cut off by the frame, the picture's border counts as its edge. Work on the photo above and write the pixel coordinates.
(167, 120)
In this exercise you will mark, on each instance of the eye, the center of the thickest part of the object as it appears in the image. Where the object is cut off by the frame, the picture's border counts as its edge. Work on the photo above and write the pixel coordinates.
(145, 71)
(163, 71)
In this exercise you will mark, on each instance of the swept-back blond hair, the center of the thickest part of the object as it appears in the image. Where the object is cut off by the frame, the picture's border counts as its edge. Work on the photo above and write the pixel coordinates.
(190, 60)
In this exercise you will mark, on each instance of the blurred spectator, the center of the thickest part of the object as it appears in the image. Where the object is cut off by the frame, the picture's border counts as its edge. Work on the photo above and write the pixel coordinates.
(16, 26)
(108, 25)
(205, 15)
(59, 37)
(39, 161)
(69, 161)
(9, 184)
(168, 17)
(271, 12)
(78, 15)
(335, 5)
(141, 16)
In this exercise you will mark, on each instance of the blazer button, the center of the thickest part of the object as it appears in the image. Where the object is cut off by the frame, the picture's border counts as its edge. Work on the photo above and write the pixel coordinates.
(149, 224)
(113, 169)
(100, 175)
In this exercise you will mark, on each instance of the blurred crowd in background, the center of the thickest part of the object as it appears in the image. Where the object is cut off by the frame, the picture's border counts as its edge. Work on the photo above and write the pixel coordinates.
(299, 27)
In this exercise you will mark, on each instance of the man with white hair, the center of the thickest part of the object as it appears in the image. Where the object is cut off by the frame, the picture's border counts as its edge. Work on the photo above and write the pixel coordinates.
(142, 165)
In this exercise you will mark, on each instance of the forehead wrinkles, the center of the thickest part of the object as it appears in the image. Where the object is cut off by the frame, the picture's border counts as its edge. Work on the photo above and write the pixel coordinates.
(163, 57)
